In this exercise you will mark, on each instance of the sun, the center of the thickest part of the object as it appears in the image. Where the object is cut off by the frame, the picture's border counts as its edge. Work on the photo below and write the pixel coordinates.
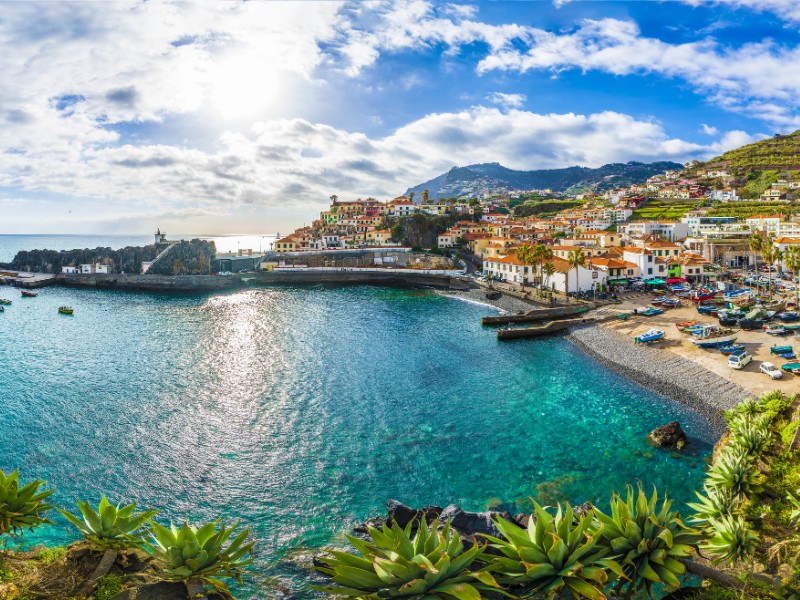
(244, 87)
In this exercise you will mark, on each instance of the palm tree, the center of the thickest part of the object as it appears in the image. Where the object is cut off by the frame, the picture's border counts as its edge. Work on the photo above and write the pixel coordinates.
(543, 255)
(791, 260)
(576, 258)
(769, 253)
(527, 256)
(549, 269)
(334, 198)
(755, 243)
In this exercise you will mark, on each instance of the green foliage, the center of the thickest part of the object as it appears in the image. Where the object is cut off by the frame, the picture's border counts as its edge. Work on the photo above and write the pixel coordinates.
(21, 507)
(780, 151)
(432, 564)
(787, 433)
(557, 554)
(110, 526)
(737, 473)
(49, 555)
(753, 438)
(732, 540)
(191, 552)
(758, 182)
(6, 576)
(670, 210)
(109, 586)
(649, 542)
(713, 503)
(747, 209)
(545, 207)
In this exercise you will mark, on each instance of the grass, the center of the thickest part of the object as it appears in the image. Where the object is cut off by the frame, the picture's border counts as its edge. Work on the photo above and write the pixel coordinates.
(109, 586)
(668, 210)
(49, 555)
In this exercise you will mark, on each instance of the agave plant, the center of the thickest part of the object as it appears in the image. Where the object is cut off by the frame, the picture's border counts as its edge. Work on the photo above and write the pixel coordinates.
(198, 556)
(646, 541)
(753, 438)
(430, 564)
(21, 507)
(555, 555)
(714, 503)
(794, 516)
(731, 541)
(737, 473)
(109, 528)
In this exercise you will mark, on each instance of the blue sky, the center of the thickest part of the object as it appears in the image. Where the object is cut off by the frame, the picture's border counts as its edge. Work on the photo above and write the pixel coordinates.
(244, 117)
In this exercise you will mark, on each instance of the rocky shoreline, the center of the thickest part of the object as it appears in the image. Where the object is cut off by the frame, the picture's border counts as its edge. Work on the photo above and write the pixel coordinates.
(507, 304)
(662, 372)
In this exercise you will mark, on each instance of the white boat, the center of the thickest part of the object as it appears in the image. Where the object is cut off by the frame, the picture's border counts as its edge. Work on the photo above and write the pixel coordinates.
(711, 336)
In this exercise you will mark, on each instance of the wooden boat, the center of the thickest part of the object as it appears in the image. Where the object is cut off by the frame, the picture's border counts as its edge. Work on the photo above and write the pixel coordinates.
(658, 301)
(711, 336)
(731, 348)
(65, 310)
(789, 315)
(682, 324)
(707, 309)
(792, 326)
(672, 303)
(775, 330)
(652, 335)
(780, 349)
(27, 294)
(701, 295)
(5, 301)
(792, 368)
(651, 312)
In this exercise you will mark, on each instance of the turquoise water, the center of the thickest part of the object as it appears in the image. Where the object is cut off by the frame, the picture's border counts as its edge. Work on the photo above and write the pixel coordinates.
(301, 411)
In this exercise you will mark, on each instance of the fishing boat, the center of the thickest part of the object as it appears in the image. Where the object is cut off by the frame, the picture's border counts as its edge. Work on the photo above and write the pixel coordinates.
(775, 330)
(651, 312)
(682, 324)
(707, 309)
(711, 336)
(65, 310)
(792, 368)
(5, 301)
(780, 349)
(792, 326)
(27, 294)
(702, 295)
(731, 348)
(789, 315)
(671, 303)
(658, 301)
(652, 335)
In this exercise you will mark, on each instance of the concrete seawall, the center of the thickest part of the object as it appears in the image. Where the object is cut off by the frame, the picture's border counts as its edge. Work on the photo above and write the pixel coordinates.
(202, 283)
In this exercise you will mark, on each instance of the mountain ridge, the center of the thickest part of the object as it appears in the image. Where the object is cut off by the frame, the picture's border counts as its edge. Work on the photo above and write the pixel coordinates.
(487, 178)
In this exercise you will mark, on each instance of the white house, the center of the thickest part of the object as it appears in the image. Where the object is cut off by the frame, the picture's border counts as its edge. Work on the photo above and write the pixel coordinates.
(511, 269)
(95, 268)
(70, 270)
(650, 266)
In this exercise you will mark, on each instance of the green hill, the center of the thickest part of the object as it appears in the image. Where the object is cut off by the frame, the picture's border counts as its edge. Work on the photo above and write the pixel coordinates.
(778, 153)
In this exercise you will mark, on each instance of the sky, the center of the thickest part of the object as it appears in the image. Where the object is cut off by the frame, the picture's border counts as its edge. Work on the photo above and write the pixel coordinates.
(245, 117)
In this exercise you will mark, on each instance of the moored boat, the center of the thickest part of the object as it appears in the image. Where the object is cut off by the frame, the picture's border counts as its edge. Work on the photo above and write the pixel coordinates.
(65, 310)
(5, 301)
(27, 294)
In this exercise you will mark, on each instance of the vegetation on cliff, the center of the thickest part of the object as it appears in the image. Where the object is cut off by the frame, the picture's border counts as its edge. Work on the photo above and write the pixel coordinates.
(124, 260)
(780, 152)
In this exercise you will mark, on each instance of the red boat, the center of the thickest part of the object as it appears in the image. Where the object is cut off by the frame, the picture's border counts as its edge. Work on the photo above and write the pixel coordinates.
(701, 296)
(27, 294)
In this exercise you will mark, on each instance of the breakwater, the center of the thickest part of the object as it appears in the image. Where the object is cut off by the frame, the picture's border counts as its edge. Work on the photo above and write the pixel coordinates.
(201, 283)
(662, 372)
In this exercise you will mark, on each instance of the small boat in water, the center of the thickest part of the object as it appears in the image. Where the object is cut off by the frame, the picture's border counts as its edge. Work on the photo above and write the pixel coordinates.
(652, 335)
(731, 348)
(65, 310)
(5, 301)
(27, 294)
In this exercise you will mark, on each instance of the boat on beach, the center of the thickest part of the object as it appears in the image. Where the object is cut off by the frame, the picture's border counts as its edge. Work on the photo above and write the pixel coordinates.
(651, 311)
(776, 330)
(671, 303)
(790, 315)
(711, 336)
(792, 368)
(780, 350)
(65, 310)
(731, 348)
(684, 324)
(651, 335)
(702, 295)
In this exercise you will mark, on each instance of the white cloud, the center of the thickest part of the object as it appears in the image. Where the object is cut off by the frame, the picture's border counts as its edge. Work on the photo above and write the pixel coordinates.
(709, 130)
(786, 9)
(507, 100)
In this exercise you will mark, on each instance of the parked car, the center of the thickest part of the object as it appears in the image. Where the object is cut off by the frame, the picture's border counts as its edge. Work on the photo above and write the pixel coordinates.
(769, 369)
(738, 360)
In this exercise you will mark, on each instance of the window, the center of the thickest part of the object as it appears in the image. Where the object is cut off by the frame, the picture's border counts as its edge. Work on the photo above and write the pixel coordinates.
(650, 271)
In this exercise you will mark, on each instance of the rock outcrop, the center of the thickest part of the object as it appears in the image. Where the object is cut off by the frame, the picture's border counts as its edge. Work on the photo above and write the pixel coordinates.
(669, 436)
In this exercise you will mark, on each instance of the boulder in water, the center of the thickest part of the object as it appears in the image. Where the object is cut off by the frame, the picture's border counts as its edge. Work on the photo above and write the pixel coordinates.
(669, 436)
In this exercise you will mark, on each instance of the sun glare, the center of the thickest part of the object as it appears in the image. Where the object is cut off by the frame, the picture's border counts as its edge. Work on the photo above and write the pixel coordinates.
(243, 87)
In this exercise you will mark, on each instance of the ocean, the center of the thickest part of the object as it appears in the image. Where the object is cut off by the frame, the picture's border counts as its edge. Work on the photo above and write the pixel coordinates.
(302, 410)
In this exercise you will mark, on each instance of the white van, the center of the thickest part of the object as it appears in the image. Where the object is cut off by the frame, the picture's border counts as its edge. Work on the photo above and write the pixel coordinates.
(738, 360)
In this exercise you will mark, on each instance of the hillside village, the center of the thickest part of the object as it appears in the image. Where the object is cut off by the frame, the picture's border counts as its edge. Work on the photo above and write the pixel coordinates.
(599, 240)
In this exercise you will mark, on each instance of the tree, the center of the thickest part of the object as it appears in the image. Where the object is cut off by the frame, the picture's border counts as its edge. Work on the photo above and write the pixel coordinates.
(791, 260)
(424, 196)
(334, 198)
(576, 259)
(769, 253)
(411, 196)
(543, 255)
(549, 269)
(527, 256)
(755, 243)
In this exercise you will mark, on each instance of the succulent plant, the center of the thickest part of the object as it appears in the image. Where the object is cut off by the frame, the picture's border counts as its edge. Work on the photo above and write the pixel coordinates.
(199, 553)
(731, 541)
(429, 564)
(21, 507)
(110, 526)
(737, 473)
(555, 555)
(713, 503)
(646, 541)
(752, 438)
